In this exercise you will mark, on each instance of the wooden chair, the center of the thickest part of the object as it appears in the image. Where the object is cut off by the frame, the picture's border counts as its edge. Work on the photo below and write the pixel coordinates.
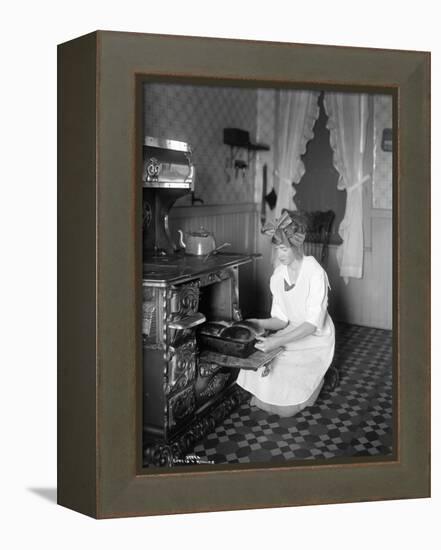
(318, 234)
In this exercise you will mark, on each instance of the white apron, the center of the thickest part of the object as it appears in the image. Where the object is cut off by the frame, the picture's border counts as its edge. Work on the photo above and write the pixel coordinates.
(299, 370)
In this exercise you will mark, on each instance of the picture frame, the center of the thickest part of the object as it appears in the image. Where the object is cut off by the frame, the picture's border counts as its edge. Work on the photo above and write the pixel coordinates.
(99, 269)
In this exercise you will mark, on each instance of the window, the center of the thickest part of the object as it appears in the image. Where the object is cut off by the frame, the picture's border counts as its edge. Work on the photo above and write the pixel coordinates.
(317, 190)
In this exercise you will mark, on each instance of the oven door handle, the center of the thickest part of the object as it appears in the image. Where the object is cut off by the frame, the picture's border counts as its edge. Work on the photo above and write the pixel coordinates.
(188, 322)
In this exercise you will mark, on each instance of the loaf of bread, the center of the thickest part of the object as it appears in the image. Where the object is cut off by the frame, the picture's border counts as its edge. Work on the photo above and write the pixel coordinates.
(252, 326)
(240, 334)
(212, 328)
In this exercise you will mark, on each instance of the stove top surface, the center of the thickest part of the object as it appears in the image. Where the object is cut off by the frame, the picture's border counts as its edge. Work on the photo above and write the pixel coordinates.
(179, 267)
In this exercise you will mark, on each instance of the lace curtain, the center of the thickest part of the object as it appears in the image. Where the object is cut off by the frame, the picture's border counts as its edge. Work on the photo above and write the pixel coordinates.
(348, 114)
(297, 112)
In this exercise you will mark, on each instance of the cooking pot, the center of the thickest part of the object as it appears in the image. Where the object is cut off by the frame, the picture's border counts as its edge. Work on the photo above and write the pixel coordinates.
(197, 243)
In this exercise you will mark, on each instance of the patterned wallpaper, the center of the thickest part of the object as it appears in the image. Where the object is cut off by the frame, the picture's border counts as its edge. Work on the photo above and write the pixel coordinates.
(198, 115)
(382, 179)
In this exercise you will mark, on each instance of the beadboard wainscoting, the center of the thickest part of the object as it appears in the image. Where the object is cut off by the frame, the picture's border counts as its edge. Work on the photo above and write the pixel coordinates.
(232, 223)
(366, 302)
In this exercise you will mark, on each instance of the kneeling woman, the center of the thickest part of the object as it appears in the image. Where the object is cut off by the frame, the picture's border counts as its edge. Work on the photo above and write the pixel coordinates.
(299, 286)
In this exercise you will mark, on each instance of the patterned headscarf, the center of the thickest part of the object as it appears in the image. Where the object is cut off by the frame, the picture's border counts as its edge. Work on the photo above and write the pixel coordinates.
(289, 229)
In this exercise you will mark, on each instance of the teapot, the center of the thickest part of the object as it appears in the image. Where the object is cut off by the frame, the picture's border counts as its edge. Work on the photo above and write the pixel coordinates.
(197, 243)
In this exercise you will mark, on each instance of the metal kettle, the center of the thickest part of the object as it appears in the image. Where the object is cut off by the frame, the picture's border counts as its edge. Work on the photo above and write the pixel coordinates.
(197, 243)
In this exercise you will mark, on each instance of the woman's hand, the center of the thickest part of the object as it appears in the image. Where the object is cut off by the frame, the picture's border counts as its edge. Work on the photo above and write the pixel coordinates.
(272, 323)
(267, 344)
(284, 337)
(256, 322)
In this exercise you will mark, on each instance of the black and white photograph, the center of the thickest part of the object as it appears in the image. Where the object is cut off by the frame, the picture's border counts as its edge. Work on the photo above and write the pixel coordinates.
(218, 223)
(267, 315)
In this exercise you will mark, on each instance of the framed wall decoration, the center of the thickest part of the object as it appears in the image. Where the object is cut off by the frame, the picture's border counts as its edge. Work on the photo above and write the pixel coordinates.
(169, 168)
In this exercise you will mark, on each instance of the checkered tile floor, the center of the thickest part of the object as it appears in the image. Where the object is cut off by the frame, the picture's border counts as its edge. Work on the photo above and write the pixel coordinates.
(354, 419)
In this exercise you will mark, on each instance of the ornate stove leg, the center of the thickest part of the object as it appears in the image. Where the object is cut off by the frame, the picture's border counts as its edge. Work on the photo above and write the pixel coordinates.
(167, 455)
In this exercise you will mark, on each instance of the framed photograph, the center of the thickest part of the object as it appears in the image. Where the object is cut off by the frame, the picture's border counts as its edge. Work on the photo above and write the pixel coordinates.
(244, 274)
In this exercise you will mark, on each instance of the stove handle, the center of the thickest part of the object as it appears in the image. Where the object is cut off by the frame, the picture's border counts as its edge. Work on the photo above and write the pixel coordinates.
(188, 322)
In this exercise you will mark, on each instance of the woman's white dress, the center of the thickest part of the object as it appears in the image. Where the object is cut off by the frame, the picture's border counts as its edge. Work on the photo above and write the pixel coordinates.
(298, 371)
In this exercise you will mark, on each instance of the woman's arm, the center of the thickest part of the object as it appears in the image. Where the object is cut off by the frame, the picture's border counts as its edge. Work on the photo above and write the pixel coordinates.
(273, 323)
(281, 339)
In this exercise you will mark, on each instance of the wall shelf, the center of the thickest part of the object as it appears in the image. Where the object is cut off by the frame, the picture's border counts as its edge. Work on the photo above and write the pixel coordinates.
(239, 140)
